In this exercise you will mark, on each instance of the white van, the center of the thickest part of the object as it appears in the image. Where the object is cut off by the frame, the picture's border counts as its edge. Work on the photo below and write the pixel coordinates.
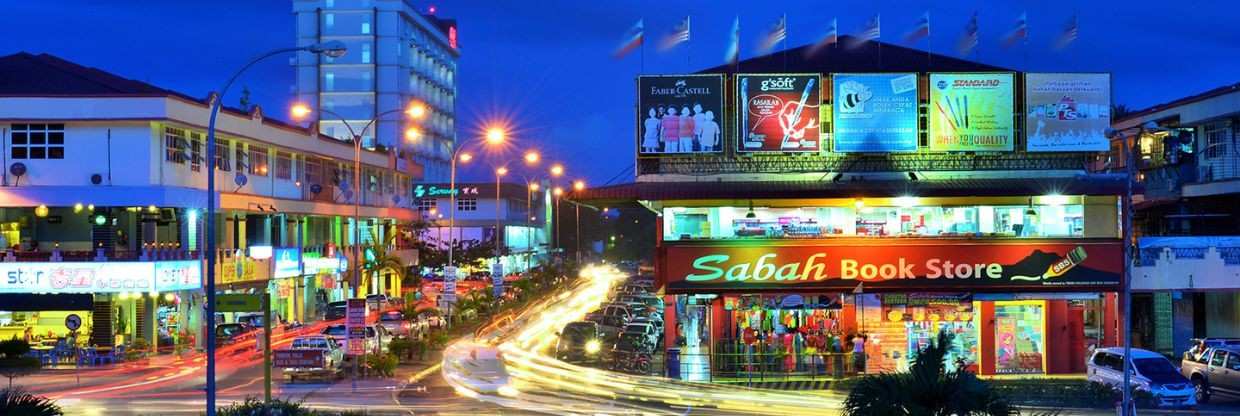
(1151, 372)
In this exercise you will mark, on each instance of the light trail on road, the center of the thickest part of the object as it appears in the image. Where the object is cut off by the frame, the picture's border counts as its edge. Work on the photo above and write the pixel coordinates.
(547, 385)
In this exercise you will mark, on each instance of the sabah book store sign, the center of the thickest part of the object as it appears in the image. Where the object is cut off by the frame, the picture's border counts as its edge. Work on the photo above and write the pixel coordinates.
(947, 265)
(971, 112)
(779, 113)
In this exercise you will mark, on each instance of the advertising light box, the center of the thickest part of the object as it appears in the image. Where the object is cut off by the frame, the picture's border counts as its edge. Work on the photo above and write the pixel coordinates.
(178, 275)
(679, 114)
(1067, 112)
(287, 263)
(971, 112)
(875, 112)
(779, 113)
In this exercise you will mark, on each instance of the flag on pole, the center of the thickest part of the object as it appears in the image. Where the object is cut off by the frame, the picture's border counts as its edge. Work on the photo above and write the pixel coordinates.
(778, 33)
(632, 39)
(922, 29)
(1068, 36)
(1019, 33)
(968, 40)
(678, 35)
(733, 54)
(871, 31)
(832, 37)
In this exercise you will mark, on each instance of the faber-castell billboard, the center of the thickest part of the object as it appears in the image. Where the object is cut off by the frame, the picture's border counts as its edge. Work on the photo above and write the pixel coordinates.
(779, 113)
(679, 114)
(971, 112)
(875, 112)
(1067, 112)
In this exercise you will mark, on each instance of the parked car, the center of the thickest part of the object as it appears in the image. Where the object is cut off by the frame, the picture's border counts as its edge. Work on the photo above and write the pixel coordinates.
(332, 361)
(1151, 372)
(336, 310)
(228, 334)
(399, 327)
(1214, 372)
(377, 302)
(1200, 345)
(579, 342)
(647, 328)
(377, 337)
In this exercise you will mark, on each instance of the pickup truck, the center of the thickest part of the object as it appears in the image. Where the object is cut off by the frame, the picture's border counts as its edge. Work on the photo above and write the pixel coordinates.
(1215, 371)
(309, 357)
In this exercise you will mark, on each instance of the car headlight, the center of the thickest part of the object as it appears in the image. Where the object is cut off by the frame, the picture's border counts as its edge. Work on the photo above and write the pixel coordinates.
(593, 346)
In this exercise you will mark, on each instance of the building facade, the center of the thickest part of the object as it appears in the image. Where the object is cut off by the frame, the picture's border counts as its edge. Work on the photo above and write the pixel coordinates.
(802, 201)
(521, 213)
(1189, 172)
(396, 54)
(104, 190)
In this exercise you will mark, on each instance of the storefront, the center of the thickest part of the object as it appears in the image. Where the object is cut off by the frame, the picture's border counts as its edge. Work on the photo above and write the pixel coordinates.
(1013, 306)
(325, 278)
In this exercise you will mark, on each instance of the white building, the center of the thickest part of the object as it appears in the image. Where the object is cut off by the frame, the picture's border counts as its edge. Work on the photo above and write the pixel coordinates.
(523, 215)
(396, 55)
(99, 168)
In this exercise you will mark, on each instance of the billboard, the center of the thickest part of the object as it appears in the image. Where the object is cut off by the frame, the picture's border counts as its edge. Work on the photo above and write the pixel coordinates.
(1067, 112)
(679, 114)
(287, 262)
(875, 112)
(896, 265)
(971, 112)
(779, 113)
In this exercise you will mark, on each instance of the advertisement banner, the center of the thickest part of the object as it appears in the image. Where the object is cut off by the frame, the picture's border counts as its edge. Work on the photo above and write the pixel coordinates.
(77, 277)
(896, 265)
(779, 113)
(355, 324)
(297, 359)
(679, 114)
(287, 263)
(875, 112)
(971, 112)
(178, 275)
(1067, 112)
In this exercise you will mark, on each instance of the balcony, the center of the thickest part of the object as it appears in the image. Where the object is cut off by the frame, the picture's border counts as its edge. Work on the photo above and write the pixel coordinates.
(1187, 263)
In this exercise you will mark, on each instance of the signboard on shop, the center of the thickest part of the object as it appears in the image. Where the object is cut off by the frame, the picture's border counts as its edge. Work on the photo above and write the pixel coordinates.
(971, 112)
(875, 112)
(355, 325)
(99, 277)
(238, 302)
(679, 114)
(297, 358)
(1056, 265)
(1067, 112)
(497, 280)
(287, 263)
(779, 113)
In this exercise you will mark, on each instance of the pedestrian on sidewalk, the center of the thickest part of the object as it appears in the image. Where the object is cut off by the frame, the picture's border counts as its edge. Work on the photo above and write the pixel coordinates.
(859, 353)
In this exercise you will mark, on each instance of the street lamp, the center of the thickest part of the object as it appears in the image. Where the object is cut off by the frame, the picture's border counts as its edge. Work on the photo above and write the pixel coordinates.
(530, 189)
(1129, 176)
(531, 158)
(494, 136)
(334, 49)
(578, 186)
(414, 110)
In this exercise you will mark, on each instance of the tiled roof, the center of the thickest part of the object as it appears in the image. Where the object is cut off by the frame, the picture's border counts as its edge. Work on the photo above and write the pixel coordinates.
(48, 75)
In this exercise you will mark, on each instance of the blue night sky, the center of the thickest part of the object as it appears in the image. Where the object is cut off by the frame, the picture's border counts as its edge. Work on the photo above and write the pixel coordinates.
(546, 65)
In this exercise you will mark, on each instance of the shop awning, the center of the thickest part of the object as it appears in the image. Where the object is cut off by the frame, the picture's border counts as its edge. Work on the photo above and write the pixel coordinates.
(1090, 184)
(27, 302)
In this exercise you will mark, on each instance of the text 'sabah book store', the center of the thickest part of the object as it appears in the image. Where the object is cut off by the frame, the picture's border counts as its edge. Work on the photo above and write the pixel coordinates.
(884, 191)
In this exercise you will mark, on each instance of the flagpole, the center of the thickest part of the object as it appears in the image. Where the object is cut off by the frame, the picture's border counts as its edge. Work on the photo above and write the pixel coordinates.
(784, 20)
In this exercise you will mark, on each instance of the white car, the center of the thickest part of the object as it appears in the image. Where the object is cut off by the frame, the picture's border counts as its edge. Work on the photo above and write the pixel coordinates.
(481, 368)
(377, 337)
(1151, 372)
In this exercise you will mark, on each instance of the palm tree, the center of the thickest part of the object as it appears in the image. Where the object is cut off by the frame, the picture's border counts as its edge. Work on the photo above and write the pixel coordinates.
(380, 260)
(928, 388)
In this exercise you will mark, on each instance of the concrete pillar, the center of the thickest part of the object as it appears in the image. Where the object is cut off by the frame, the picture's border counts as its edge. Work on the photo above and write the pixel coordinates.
(147, 331)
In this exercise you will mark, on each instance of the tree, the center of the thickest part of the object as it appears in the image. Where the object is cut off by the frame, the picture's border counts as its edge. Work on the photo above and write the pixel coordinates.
(379, 260)
(14, 362)
(17, 402)
(1119, 111)
(928, 388)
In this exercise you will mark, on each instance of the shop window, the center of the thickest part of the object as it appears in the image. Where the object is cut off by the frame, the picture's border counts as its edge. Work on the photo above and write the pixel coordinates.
(467, 204)
(1019, 337)
(223, 161)
(258, 161)
(284, 165)
(176, 146)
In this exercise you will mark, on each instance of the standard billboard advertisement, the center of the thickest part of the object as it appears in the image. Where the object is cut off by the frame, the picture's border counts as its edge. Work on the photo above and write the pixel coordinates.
(971, 112)
(679, 114)
(875, 112)
(932, 266)
(779, 113)
(1067, 112)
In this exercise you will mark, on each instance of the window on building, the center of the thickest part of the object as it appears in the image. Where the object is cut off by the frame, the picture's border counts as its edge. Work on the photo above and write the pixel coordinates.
(1217, 136)
(195, 151)
(467, 204)
(258, 161)
(37, 141)
(427, 204)
(223, 161)
(176, 146)
(314, 171)
(284, 165)
(242, 157)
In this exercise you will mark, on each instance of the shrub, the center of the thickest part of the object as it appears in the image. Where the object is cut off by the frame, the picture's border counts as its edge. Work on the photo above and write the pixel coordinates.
(14, 348)
(255, 407)
(18, 402)
(382, 364)
(401, 347)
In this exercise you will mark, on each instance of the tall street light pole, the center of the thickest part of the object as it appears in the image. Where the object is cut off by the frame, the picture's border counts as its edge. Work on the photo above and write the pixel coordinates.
(578, 186)
(531, 158)
(333, 49)
(494, 136)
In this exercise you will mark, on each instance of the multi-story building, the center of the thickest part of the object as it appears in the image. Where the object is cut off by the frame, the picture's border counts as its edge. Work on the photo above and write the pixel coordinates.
(521, 211)
(1186, 217)
(102, 197)
(397, 54)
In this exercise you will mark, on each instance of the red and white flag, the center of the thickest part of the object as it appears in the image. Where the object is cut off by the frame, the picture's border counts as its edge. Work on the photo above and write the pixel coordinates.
(632, 39)
(968, 40)
(778, 33)
(922, 30)
(1019, 33)
(832, 37)
(1068, 36)
(871, 31)
(678, 35)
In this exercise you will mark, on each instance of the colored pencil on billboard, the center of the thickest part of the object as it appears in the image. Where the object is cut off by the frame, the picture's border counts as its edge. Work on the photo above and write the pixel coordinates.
(744, 108)
(945, 116)
(796, 116)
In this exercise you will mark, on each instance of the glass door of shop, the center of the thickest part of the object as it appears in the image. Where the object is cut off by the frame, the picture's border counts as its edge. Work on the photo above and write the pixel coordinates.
(695, 343)
(1020, 337)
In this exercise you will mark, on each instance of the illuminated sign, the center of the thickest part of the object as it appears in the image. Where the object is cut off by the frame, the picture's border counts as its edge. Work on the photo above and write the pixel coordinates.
(260, 252)
(971, 112)
(875, 112)
(287, 263)
(779, 113)
(99, 277)
(451, 36)
(421, 191)
(316, 264)
(1067, 112)
(1067, 265)
(679, 114)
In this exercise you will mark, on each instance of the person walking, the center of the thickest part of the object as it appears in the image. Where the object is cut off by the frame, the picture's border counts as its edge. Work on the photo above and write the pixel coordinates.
(858, 342)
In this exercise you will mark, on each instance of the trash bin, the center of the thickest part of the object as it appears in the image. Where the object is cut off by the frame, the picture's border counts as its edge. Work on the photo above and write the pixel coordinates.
(672, 358)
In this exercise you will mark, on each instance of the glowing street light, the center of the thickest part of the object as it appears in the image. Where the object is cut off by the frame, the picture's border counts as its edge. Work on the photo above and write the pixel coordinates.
(412, 134)
(558, 191)
(465, 157)
(416, 110)
(579, 185)
(532, 157)
(501, 171)
(557, 170)
(495, 135)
